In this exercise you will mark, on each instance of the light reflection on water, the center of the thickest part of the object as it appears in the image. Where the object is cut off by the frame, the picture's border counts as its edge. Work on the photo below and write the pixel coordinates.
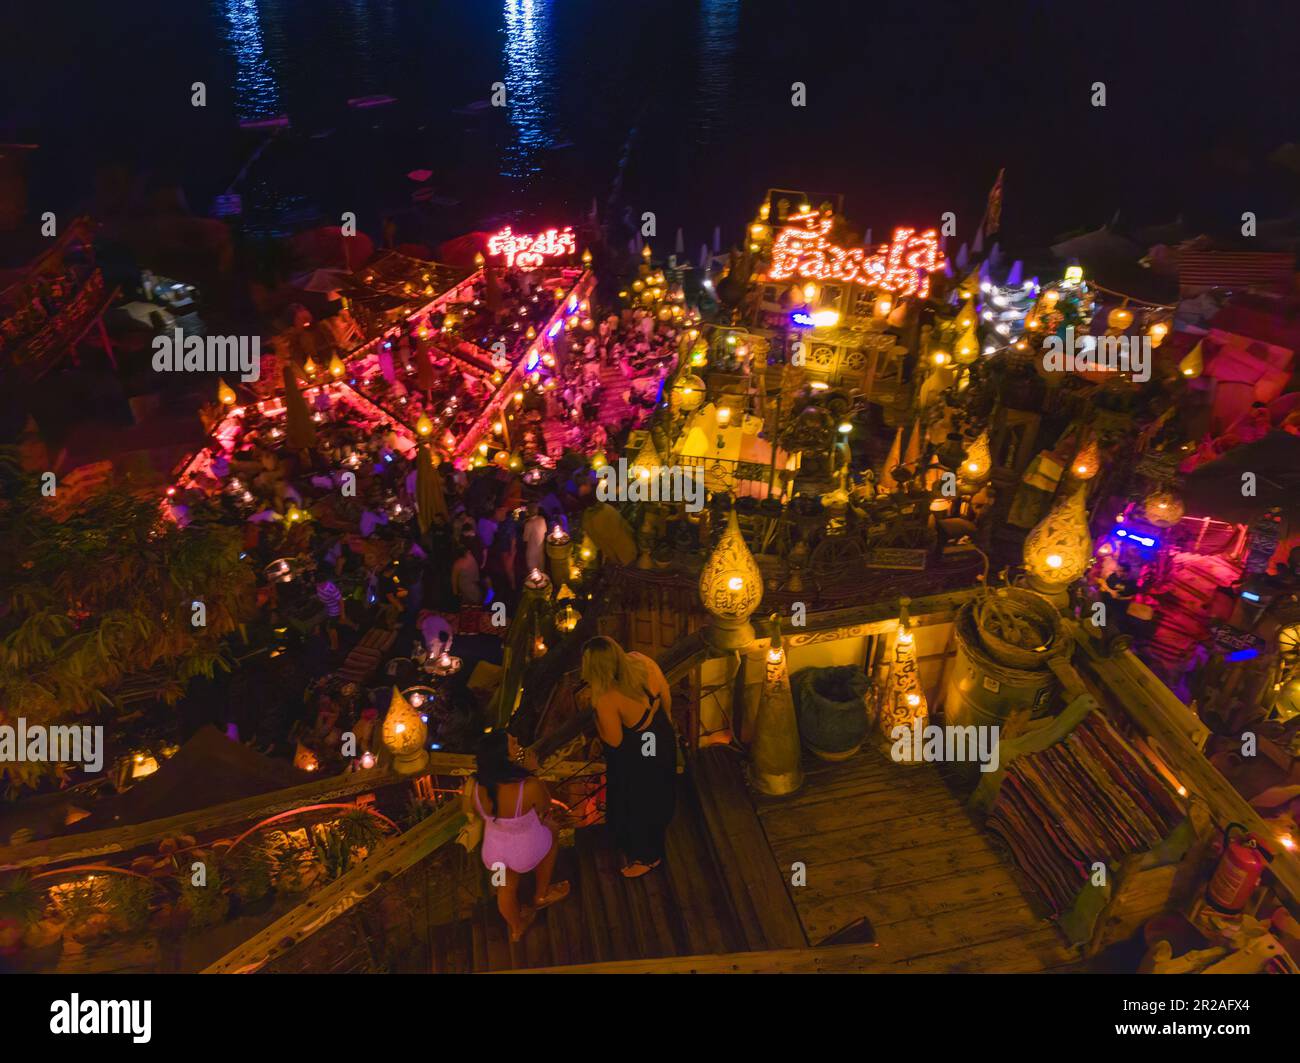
(256, 93)
(717, 43)
(530, 78)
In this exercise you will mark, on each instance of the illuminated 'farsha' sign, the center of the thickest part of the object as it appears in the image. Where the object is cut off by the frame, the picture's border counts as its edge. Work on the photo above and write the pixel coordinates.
(902, 266)
(529, 252)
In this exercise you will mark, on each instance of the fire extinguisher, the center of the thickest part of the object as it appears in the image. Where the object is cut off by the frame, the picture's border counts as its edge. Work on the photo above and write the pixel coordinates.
(1240, 868)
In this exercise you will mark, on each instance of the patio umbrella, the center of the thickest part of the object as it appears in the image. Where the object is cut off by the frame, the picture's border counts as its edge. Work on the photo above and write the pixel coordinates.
(430, 500)
(1214, 489)
(324, 280)
(299, 430)
(327, 246)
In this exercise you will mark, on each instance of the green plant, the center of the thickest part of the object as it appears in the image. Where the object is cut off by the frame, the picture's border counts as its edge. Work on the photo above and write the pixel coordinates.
(417, 810)
(98, 593)
(206, 905)
(248, 870)
(128, 902)
(20, 900)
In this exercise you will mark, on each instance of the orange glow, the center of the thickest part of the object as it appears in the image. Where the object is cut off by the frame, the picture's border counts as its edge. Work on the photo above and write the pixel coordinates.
(529, 252)
(903, 266)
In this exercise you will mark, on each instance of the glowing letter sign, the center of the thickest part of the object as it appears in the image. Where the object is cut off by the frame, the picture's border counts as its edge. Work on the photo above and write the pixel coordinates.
(529, 252)
(903, 266)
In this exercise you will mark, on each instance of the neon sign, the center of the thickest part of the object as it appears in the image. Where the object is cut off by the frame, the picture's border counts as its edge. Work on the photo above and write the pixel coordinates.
(902, 266)
(529, 252)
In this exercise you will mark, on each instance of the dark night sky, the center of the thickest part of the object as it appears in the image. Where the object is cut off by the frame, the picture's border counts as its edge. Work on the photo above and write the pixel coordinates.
(912, 107)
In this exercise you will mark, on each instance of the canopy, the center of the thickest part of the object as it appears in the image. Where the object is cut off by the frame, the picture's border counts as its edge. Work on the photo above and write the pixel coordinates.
(1215, 489)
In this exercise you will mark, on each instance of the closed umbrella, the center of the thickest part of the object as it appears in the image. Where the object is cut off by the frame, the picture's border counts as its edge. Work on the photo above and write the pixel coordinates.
(299, 430)
(430, 500)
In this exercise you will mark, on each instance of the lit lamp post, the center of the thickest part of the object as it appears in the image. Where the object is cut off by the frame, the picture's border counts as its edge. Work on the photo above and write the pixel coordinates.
(905, 703)
(404, 734)
(1056, 551)
(775, 755)
(731, 587)
(559, 553)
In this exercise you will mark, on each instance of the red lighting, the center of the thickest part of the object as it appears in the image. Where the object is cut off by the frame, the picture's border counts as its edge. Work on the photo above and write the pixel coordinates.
(904, 265)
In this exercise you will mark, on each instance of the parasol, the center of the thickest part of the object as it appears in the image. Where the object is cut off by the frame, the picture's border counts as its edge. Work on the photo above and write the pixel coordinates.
(300, 433)
(430, 500)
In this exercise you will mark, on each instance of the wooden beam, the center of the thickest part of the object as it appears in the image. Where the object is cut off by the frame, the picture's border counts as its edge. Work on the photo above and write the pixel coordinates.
(389, 860)
(95, 845)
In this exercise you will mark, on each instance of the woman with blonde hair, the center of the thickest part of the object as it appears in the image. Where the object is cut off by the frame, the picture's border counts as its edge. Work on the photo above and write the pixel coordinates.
(631, 699)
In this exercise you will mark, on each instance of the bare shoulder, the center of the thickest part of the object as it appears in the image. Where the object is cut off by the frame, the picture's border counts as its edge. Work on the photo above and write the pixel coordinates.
(651, 665)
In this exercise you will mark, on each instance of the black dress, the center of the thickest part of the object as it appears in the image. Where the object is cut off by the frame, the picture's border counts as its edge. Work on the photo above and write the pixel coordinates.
(641, 786)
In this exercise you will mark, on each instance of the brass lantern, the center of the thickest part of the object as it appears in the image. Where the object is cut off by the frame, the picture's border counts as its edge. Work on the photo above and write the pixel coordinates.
(1057, 550)
(404, 735)
(731, 587)
(688, 392)
(1087, 461)
(978, 466)
(1163, 508)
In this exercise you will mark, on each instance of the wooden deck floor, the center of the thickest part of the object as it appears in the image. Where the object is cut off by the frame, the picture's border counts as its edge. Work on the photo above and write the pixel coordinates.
(680, 910)
(878, 840)
(893, 844)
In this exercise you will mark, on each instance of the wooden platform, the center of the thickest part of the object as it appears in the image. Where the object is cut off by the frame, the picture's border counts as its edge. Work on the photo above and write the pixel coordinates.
(893, 844)
(680, 910)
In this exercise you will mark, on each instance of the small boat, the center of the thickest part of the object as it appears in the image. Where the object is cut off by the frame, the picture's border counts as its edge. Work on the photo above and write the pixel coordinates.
(371, 101)
(279, 122)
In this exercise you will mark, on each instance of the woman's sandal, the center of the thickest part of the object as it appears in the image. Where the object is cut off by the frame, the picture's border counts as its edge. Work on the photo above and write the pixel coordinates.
(636, 869)
(526, 918)
(557, 893)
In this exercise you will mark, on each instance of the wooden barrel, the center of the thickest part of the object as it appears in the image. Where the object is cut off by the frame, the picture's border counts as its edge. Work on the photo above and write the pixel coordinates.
(833, 710)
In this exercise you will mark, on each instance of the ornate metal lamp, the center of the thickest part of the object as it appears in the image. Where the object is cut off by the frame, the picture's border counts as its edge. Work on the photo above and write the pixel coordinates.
(1057, 550)
(775, 755)
(731, 587)
(404, 735)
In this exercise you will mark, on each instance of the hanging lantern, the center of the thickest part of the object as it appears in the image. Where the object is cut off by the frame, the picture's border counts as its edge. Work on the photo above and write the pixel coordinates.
(1087, 461)
(1056, 551)
(567, 619)
(1120, 318)
(968, 347)
(978, 466)
(1193, 364)
(424, 426)
(226, 394)
(688, 392)
(337, 368)
(1158, 332)
(586, 257)
(309, 366)
(1163, 508)
(731, 587)
(404, 734)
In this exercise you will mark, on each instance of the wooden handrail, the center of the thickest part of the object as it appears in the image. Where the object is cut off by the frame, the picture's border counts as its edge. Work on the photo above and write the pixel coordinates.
(94, 845)
(339, 897)
(1157, 712)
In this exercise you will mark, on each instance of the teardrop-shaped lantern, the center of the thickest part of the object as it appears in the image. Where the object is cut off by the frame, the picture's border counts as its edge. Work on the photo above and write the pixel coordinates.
(731, 587)
(404, 734)
(1057, 550)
